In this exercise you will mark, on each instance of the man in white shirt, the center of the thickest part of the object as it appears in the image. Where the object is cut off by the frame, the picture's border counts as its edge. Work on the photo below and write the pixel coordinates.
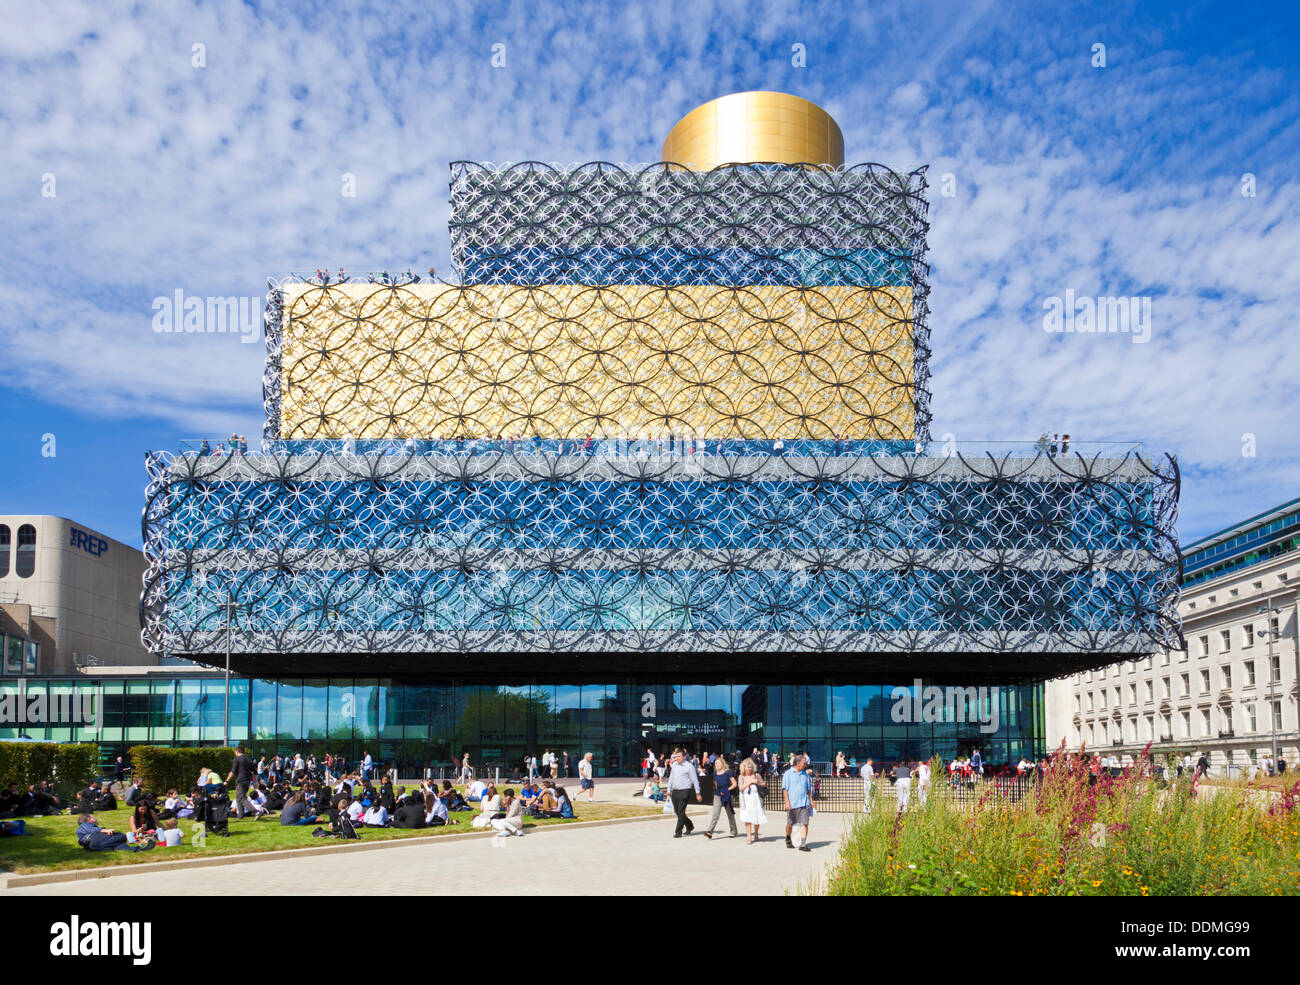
(922, 781)
(475, 791)
(868, 773)
(376, 816)
(902, 785)
(586, 778)
(356, 812)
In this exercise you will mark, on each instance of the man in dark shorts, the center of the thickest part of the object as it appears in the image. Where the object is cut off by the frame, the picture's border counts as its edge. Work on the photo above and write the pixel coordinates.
(796, 789)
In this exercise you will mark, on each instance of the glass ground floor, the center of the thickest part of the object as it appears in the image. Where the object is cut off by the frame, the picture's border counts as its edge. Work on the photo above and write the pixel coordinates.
(415, 725)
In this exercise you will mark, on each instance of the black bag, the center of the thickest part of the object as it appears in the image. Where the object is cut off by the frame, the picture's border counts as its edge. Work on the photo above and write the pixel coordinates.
(343, 827)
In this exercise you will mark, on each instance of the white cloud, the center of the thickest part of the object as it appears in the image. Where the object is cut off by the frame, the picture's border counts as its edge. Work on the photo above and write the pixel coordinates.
(1120, 181)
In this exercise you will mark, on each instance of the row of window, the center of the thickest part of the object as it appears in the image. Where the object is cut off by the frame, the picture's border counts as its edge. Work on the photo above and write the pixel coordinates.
(1185, 690)
(1249, 636)
(1283, 578)
(24, 557)
(1143, 729)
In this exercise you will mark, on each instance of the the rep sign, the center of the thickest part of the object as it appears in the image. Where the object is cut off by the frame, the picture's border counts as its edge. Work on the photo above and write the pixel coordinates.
(88, 542)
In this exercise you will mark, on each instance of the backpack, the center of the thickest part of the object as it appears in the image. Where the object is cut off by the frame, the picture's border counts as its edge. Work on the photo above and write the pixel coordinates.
(343, 828)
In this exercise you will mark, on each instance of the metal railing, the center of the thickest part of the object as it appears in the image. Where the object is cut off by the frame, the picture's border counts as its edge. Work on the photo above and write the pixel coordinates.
(843, 794)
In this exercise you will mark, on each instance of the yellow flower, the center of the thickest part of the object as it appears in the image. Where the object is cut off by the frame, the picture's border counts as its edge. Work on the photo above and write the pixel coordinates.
(1096, 882)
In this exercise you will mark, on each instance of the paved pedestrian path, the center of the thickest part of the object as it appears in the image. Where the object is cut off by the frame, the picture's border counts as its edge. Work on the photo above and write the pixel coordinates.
(624, 859)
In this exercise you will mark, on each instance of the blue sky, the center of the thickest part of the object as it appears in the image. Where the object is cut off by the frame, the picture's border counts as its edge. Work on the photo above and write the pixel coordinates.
(1117, 180)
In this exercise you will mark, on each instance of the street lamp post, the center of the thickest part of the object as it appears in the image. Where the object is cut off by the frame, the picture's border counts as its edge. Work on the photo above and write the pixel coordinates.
(1268, 611)
(229, 607)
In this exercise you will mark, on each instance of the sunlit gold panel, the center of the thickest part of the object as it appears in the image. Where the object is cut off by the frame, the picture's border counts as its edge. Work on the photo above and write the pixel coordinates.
(755, 126)
(430, 361)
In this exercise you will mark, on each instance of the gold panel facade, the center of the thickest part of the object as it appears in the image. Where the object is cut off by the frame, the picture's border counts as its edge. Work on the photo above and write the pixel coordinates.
(424, 361)
(755, 127)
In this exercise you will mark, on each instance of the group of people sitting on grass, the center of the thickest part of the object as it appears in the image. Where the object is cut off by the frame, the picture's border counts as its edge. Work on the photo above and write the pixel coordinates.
(353, 801)
(430, 805)
(37, 800)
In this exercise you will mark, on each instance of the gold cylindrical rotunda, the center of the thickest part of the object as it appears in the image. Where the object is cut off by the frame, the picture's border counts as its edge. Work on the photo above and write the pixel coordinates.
(748, 127)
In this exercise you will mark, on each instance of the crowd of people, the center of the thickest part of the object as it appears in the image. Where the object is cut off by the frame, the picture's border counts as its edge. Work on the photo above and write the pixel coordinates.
(291, 789)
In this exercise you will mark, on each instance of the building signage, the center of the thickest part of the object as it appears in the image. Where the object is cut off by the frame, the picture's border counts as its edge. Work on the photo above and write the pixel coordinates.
(88, 542)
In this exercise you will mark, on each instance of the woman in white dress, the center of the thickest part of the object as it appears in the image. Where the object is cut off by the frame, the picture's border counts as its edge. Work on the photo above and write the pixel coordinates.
(491, 804)
(751, 800)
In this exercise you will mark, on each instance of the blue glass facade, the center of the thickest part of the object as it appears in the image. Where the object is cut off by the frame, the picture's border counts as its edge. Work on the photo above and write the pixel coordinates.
(415, 726)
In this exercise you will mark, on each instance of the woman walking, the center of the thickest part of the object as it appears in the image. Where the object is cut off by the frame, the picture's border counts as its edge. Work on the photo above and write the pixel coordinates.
(724, 786)
(751, 812)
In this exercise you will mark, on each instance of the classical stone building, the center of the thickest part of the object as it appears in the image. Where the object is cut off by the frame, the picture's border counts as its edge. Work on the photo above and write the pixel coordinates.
(1235, 689)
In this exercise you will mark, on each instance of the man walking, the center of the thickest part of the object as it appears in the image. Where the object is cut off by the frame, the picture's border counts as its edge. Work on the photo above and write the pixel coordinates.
(796, 789)
(587, 778)
(241, 771)
(868, 772)
(922, 781)
(683, 778)
(976, 766)
(902, 786)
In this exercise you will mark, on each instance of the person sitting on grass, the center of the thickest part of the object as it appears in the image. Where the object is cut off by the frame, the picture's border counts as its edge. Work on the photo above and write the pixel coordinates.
(512, 822)
(295, 811)
(207, 778)
(142, 822)
(93, 838)
(355, 811)
(563, 807)
(529, 793)
(546, 803)
(275, 799)
(105, 801)
(476, 790)
(28, 803)
(86, 800)
(257, 800)
(489, 808)
(171, 834)
(410, 814)
(9, 800)
(564, 802)
(452, 798)
(178, 805)
(48, 800)
(435, 807)
(376, 816)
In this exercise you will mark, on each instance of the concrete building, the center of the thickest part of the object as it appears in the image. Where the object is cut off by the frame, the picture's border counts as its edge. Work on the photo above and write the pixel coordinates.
(1235, 689)
(69, 598)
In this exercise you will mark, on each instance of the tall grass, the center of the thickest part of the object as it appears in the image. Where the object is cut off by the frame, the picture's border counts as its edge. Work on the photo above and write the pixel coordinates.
(1126, 836)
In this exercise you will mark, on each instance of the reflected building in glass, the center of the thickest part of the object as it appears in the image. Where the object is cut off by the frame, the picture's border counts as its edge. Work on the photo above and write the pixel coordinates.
(414, 726)
(654, 469)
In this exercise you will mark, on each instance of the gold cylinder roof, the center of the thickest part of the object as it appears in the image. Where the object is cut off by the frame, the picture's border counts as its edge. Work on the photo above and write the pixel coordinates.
(748, 127)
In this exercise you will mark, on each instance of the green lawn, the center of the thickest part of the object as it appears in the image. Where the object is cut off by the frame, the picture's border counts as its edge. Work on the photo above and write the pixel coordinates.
(51, 846)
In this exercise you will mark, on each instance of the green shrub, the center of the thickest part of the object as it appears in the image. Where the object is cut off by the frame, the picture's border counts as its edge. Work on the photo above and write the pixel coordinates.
(70, 765)
(161, 768)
